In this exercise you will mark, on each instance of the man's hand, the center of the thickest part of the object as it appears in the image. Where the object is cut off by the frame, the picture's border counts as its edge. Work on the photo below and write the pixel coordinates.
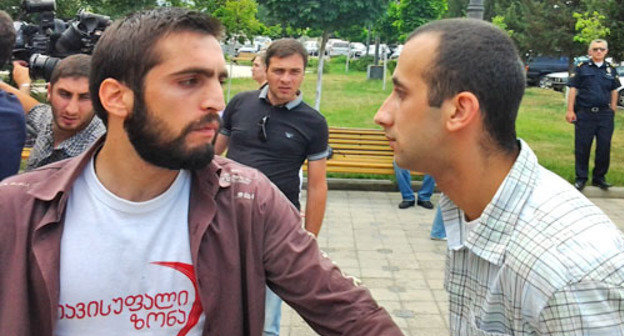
(570, 116)
(21, 76)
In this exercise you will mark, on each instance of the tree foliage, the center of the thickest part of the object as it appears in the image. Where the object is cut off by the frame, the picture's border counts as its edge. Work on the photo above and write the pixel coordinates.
(589, 27)
(415, 13)
(239, 17)
(613, 10)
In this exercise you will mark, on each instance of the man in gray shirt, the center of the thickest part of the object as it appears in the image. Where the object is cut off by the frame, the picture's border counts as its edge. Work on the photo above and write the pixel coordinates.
(68, 126)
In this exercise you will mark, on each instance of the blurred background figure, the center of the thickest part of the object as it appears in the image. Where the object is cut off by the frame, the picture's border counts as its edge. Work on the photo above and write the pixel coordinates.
(12, 121)
(258, 68)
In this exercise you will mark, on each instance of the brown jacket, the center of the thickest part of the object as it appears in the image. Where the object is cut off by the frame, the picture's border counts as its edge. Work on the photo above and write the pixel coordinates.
(244, 233)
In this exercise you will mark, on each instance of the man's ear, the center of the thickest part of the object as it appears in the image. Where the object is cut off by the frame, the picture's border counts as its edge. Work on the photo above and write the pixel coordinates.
(49, 94)
(116, 98)
(464, 111)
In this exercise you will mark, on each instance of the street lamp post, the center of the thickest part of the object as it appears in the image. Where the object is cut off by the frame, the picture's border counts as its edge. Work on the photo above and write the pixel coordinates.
(475, 9)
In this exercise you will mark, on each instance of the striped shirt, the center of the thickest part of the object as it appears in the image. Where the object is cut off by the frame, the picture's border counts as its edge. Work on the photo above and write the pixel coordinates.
(542, 260)
(39, 127)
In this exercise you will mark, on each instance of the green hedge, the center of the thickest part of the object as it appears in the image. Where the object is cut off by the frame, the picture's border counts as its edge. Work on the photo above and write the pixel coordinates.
(313, 64)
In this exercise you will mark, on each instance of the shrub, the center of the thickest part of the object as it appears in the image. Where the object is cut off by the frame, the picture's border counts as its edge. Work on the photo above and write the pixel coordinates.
(361, 63)
(313, 65)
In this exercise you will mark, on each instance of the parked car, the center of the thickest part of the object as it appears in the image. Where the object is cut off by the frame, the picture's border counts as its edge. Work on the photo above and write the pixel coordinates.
(312, 47)
(539, 66)
(556, 80)
(397, 52)
(620, 72)
(261, 42)
(247, 48)
(337, 47)
(382, 49)
(358, 49)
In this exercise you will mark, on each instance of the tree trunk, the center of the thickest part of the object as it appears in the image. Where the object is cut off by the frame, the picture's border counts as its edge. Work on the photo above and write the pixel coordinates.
(319, 77)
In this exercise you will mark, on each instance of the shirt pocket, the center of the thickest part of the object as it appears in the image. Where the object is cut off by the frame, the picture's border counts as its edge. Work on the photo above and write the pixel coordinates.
(475, 330)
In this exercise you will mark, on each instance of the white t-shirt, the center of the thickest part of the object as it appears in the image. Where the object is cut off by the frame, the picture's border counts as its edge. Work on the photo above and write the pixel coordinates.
(126, 267)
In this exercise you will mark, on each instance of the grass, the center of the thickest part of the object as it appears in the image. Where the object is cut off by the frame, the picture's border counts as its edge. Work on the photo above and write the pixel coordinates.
(350, 100)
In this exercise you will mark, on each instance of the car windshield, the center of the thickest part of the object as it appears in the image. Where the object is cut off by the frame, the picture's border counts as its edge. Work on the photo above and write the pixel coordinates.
(620, 71)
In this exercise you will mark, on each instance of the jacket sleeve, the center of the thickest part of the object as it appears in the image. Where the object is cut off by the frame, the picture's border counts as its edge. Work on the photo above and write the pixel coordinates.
(297, 271)
(575, 78)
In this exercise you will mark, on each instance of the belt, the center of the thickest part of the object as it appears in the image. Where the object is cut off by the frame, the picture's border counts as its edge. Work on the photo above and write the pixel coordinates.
(595, 109)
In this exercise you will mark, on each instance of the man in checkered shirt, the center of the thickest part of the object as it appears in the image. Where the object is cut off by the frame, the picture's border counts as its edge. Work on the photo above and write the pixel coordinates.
(68, 126)
(528, 254)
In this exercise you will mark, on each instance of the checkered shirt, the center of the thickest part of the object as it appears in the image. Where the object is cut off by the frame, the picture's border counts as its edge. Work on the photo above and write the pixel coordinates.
(542, 260)
(39, 127)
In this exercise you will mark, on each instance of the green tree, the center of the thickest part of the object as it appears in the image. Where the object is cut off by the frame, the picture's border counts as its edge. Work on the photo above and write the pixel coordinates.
(589, 27)
(499, 21)
(116, 8)
(415, 13)
(239, 18)
(457, 8)
(325, 15)
(613, 10)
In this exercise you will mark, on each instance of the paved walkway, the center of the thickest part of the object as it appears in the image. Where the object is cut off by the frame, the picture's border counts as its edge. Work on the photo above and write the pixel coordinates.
(390, 251)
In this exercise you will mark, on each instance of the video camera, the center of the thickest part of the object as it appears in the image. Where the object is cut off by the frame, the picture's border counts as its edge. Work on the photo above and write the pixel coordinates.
(44, 44)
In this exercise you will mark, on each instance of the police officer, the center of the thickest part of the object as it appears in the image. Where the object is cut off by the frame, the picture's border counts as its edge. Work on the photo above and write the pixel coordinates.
(591, 107)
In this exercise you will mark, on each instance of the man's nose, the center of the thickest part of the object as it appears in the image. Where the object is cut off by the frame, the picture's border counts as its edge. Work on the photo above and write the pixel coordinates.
(213, 100)
(73, 106)
(383, 116)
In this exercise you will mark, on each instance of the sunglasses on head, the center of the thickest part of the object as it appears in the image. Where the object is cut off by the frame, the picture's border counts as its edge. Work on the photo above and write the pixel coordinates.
(599, 49)
(262, 133)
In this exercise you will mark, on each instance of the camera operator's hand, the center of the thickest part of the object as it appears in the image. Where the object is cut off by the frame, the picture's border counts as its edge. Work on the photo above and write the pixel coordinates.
(21, 76)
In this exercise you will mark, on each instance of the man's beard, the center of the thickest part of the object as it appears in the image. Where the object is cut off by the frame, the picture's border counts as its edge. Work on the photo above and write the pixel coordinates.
(144, 132)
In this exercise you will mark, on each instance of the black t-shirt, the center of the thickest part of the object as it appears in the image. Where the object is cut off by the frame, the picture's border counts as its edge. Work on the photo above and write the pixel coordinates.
(295, 132)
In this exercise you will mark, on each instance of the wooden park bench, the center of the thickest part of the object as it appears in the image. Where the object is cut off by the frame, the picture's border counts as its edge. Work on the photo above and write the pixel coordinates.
(360, 151)
(243, 56)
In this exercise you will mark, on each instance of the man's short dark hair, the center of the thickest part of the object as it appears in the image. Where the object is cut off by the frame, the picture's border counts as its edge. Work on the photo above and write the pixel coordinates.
(476, 56)
(7, 37)
(262, 55)
(126, 50)
(284, 48)
(74, 66)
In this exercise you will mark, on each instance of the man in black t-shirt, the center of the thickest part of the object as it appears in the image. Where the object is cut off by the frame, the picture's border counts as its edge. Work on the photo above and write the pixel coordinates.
(273, 130)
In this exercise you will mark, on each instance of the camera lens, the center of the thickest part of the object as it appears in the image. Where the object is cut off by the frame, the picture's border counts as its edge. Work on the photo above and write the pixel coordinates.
(41, 66)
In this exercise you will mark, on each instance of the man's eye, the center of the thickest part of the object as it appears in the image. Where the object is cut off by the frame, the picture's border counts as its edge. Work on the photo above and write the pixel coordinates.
(189, 81)
(399, 93)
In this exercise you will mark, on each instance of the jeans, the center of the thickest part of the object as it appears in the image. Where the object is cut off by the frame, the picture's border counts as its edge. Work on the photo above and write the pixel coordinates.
(272, 314)
(404, 181)
(437, 229)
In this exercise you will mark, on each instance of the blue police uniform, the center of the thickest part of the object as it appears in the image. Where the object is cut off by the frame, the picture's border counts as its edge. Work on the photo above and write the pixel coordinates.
(594, 117)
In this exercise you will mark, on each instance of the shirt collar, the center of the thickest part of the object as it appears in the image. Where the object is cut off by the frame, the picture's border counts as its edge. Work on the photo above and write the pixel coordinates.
(591, 62)
(82, 140)
(490, 237)
(264, 91)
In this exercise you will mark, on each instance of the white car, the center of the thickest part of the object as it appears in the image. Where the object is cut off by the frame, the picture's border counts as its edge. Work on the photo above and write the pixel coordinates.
(357, 49)
(311, 47)
(337, 47)
(620, 72)
(382, 49)
(247, 48)
(397, 52)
